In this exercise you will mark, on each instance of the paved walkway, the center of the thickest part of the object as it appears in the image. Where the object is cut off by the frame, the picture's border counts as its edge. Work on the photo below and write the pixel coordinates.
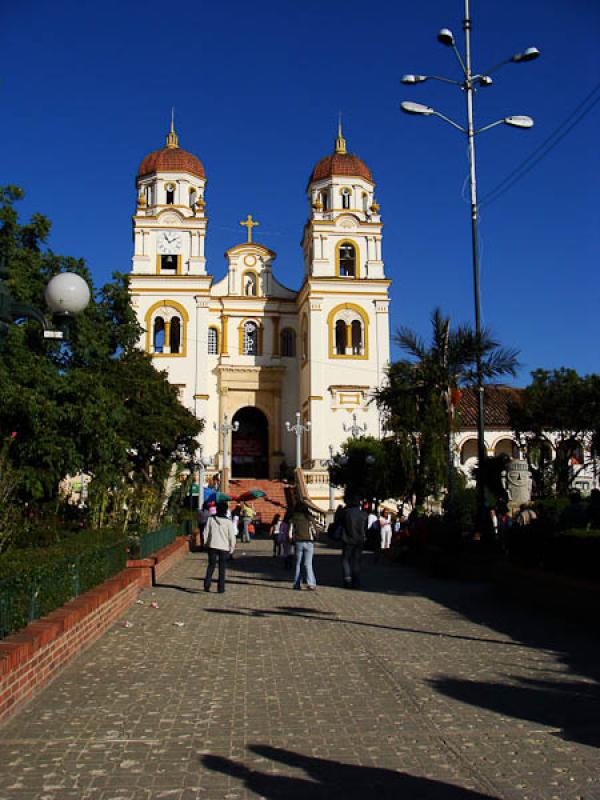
(412, 689)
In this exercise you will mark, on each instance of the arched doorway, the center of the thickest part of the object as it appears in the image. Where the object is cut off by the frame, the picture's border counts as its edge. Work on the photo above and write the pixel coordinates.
(250, 444)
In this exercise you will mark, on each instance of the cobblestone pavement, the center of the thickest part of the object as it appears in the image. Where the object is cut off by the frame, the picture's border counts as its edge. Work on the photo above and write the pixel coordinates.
(412, 689)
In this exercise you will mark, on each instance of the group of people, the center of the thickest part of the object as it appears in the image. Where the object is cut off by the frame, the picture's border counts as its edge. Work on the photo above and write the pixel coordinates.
(295, 534)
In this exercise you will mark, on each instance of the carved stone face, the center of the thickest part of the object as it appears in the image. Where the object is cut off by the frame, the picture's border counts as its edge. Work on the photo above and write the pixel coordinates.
(518, 481)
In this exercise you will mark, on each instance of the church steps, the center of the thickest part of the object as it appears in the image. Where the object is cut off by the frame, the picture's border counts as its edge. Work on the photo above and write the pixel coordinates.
(278, 496)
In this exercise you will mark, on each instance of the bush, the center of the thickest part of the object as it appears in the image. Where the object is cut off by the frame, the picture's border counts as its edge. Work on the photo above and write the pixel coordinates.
(35, 581)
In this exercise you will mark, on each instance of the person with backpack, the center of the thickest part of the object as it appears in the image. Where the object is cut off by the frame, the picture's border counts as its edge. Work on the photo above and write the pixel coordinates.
(302, 532)
(219, 539)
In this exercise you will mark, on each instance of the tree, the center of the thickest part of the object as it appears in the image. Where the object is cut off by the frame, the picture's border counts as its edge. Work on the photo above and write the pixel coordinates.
(416, 398)
(561, 408)
(93, 403)
(363, 468)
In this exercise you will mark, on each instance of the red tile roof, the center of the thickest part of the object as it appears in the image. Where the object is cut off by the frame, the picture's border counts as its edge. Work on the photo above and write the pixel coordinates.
(496, 402)
(171, 159)
(341, 164)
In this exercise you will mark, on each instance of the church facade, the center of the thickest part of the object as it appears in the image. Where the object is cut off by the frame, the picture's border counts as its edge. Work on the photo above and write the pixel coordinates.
(246, 349)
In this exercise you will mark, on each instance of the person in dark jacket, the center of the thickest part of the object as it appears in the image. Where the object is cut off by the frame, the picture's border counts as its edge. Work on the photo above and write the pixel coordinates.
(354, 531)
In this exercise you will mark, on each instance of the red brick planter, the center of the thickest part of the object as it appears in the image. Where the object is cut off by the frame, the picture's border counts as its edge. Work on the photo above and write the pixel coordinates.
(33, 656)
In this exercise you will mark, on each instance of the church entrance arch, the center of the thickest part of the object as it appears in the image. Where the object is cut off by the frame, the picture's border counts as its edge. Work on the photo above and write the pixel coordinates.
(250, 444)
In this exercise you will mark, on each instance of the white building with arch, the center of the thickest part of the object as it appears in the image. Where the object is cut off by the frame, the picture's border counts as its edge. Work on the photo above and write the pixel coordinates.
(246, 347)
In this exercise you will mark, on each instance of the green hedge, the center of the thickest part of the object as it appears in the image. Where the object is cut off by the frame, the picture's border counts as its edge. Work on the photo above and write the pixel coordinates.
(35, 581)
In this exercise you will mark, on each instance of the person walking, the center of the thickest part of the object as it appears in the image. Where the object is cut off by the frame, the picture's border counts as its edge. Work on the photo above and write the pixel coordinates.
(385, 529)
(274, 534)
(219, 538)
(354, 531)
(285, 541)
(302, 530)
(247, 517)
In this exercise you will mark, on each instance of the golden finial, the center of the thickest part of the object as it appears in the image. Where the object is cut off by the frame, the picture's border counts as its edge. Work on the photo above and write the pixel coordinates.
(249, 223)
(318, 204)
(172, 138)
(375, 207)
(141, 199)
(340, 142)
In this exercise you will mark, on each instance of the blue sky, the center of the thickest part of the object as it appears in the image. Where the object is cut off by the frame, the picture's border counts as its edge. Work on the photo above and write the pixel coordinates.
(87, 90)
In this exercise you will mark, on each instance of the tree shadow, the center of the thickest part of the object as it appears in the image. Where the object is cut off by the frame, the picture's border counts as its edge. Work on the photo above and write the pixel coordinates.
(570, 707)
(333, 780)
(317, 614)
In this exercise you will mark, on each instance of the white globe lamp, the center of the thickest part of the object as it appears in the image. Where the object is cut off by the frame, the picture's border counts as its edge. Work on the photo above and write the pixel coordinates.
(67, 293)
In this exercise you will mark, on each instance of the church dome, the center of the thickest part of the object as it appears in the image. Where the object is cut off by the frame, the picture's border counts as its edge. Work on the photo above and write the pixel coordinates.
(340, 163)
(171, 158)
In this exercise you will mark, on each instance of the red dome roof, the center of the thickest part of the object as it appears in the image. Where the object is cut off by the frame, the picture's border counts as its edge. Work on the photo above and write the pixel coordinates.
(171, 159)
(341, 164)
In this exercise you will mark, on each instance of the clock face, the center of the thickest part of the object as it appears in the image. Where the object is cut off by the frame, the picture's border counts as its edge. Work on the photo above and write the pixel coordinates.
(169, 243)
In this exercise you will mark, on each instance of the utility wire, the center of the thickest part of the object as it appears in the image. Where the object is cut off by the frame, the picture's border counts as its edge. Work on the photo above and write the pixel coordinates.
(544, 148)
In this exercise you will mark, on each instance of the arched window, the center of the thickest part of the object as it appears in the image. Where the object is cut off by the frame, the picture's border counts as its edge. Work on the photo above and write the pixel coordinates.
(347, 260)
(468, 451)
(348, 331)
(170, 191)
(166, 324)
(250, 284)
(365, 199)
(213, 342)
(357, 337)
(175, 335)
(158, 335)
(341, 337)
(506, 447)
(250, 339)
(288, 343)
(325, 200)
(346, 195)
(193, 196)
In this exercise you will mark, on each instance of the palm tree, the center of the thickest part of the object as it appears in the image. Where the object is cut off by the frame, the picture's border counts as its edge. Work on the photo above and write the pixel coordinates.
(421, 392)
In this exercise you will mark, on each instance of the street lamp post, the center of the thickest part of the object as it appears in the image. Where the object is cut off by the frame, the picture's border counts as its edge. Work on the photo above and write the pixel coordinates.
(298, 429)
(469, 85)
(330, 464)
(66, 294)
(355, 429)
(225, 428)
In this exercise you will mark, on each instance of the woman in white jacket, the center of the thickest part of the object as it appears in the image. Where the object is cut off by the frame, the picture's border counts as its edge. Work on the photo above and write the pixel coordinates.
(219, 539)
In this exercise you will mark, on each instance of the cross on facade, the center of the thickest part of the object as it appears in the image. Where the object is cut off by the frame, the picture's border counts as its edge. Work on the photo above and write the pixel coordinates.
(249, 223)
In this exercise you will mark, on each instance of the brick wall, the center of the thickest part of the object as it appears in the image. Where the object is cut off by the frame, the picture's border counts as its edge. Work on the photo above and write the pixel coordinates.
(30, 658)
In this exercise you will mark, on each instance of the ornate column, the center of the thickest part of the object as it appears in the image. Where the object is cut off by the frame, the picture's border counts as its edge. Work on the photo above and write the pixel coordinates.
(224, 331)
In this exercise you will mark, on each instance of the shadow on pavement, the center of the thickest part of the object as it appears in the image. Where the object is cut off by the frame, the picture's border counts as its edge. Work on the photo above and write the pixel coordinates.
(334, 780)
(565, 699)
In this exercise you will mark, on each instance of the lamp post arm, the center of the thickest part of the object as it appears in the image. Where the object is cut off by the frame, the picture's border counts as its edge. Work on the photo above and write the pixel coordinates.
(20, 310)
(487, 127)
(449, 121)
(460, 61)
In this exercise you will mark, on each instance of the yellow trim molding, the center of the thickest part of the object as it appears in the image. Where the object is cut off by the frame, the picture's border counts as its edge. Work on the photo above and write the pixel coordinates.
(331, 328)
(338, 247)
(149, 320)
(260, 330)
(158, 269)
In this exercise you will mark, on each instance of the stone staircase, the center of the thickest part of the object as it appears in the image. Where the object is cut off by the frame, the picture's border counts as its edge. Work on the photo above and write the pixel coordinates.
(278, 495)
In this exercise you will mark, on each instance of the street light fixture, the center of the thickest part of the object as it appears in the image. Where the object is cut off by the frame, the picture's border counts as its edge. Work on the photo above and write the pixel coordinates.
(298, 429)
(469, 84)
(66, 294)
(225, 429)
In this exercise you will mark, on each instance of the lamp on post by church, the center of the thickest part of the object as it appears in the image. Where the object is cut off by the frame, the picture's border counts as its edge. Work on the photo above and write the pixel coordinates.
(330, 464)
(298, 429)
(470, 83)
(66, 294)
(225, 429)
(355, 430)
